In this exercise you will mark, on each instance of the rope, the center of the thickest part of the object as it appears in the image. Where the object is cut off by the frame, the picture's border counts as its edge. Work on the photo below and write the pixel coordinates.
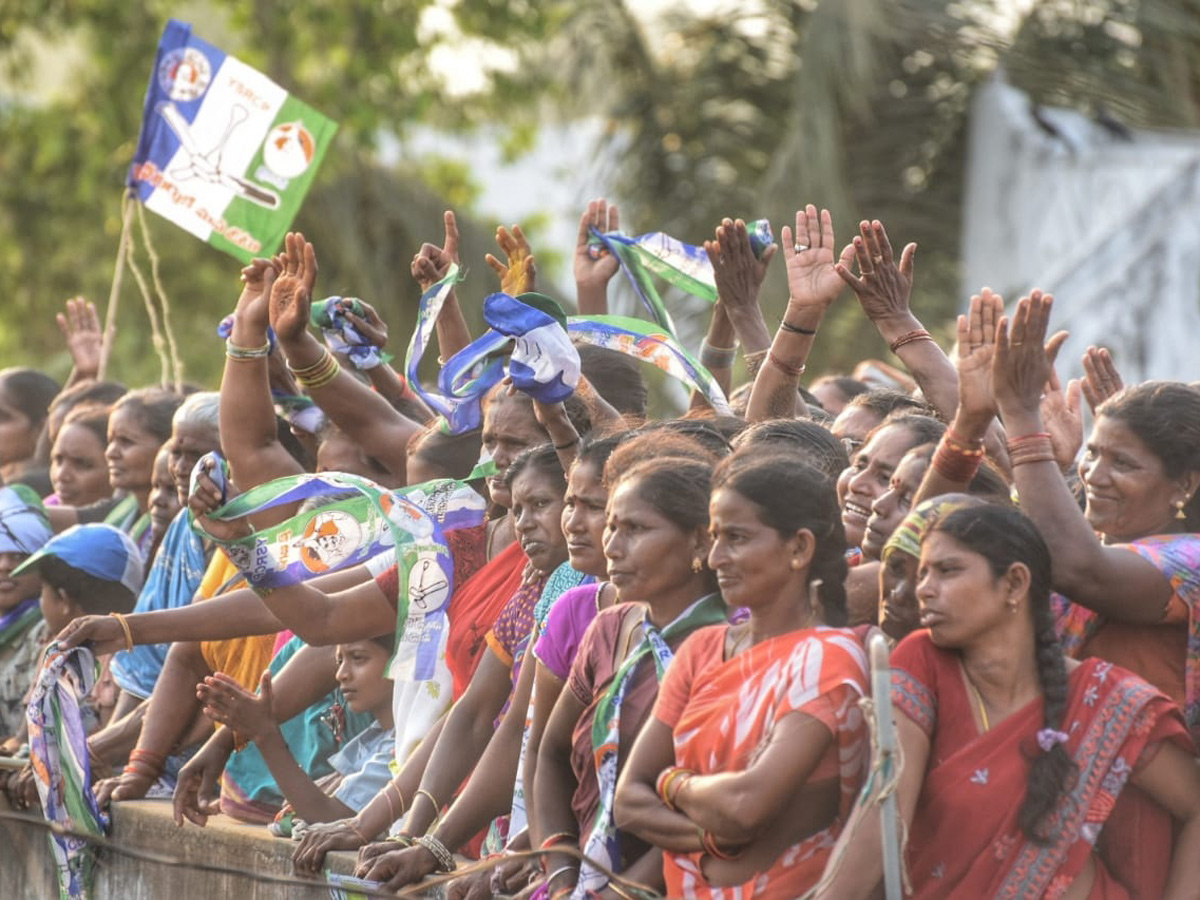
(114, 292)
(176, 363)
(156, 336)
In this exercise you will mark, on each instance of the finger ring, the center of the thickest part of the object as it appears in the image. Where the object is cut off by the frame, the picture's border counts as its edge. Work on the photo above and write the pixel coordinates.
(877, 259)
(800, 248)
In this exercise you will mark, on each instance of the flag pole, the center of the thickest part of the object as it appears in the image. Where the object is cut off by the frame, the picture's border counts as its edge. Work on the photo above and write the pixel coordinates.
(114, 292)
(881, 691)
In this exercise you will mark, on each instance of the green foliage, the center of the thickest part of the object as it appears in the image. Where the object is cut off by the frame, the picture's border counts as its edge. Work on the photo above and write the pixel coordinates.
(752, 110)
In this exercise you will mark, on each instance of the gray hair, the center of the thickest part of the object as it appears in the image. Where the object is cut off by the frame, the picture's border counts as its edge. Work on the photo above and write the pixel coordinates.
(199, 409)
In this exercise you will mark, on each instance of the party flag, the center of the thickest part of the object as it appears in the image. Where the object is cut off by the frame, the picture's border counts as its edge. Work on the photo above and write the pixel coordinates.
(224, 152)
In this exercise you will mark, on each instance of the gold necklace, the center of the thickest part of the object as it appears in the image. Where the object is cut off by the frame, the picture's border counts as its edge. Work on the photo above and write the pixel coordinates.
(979, 700)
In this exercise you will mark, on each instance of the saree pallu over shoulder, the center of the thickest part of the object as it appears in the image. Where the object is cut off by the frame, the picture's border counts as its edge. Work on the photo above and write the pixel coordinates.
(965, 840)
(1177, 557)
(733, 706)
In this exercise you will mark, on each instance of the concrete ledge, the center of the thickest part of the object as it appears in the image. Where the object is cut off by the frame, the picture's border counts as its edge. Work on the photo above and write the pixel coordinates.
(27, 866)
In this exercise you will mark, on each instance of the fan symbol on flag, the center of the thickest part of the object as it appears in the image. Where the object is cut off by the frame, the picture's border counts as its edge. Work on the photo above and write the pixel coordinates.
(206, 166)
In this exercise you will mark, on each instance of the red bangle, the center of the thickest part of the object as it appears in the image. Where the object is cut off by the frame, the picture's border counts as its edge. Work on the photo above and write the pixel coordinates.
(954, 463)
(711, 848)
(919, 335)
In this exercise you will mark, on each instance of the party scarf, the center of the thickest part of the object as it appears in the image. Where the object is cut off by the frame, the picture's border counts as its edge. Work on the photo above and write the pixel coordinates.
(602, 843)
(644, 342)
(460, 411)
(59, 756)
(15, 622)
(351, 529)
(340, 334)
(683, 266)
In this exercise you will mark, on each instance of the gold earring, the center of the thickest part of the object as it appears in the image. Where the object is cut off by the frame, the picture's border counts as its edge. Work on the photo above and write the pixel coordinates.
(697, 565)
(795, 565)
(1179, 505)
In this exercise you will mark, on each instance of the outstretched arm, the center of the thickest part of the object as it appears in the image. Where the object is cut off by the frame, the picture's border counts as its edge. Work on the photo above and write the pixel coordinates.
(382, 432)
(249, 439)
(1113, 581)
(253, 718)
(430, 266)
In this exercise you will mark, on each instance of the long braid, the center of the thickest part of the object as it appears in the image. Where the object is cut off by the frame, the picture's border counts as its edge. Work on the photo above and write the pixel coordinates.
(1005, 538)
(1052, 771)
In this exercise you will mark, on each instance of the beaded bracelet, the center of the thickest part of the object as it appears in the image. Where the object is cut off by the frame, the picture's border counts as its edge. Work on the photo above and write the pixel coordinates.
(754, 361)
(445, 859)
(919, 335)
(241, 354)
(716, 357)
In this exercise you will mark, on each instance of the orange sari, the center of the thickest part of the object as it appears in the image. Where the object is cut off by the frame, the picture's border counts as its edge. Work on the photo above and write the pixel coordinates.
(723, 711)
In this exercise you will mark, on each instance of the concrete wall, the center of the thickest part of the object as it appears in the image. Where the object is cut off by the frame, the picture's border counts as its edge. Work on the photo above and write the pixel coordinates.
(27, 866)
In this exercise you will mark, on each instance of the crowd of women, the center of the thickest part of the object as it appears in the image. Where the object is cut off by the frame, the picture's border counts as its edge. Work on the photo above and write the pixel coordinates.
(649, 676)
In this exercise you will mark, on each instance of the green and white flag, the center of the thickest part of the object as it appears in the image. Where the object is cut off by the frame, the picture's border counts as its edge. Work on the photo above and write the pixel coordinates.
(224, 152)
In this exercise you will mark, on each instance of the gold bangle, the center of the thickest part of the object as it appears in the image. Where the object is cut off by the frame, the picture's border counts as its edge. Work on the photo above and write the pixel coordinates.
(312, 369)
(437, 807)
(124, 627)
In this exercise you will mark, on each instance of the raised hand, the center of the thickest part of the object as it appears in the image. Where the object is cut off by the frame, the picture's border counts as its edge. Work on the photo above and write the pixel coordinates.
(81, 327)
(228, 703)
(1024, 359)
(291, 294)
(369, 325)
(1101, 378)
(738, 273)
(882, 286)
(431, 263)
(1063, 418)
(976, 349)
(594, 264)
(812, 277)
(206, 498)
(519, 274)
(254, 302)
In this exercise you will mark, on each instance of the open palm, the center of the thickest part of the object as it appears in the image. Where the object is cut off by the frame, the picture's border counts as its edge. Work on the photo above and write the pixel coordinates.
(291, 295)
(976, 351)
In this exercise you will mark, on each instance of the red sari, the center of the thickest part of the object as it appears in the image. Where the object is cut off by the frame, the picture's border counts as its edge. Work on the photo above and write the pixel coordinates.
(965, 841)
(723, 711)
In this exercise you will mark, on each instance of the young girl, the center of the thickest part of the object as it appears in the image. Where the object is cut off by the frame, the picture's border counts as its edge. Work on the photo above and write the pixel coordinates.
(361, 767)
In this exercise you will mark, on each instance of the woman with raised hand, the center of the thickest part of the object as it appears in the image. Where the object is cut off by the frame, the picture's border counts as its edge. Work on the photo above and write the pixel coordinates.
(756, 748)
(1016, 760)
(1129, 564)
(656, 542)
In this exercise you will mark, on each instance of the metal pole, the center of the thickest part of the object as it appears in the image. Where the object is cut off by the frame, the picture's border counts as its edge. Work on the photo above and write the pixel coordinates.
(881, 690)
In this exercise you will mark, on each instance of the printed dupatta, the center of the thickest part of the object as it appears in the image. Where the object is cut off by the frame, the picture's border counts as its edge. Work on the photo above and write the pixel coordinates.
(1177, 556)
(965, 840)
(602, 843)
(61, 767)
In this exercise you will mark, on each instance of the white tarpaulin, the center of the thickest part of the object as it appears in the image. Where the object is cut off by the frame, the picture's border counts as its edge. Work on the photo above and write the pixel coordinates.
(1108, 223)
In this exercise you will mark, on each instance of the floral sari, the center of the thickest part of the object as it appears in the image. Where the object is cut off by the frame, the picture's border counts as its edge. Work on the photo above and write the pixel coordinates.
(722, 712)
(1177, 556)
(965, 841)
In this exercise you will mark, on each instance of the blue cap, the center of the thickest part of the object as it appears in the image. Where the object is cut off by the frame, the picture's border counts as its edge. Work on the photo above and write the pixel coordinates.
(100, 550)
